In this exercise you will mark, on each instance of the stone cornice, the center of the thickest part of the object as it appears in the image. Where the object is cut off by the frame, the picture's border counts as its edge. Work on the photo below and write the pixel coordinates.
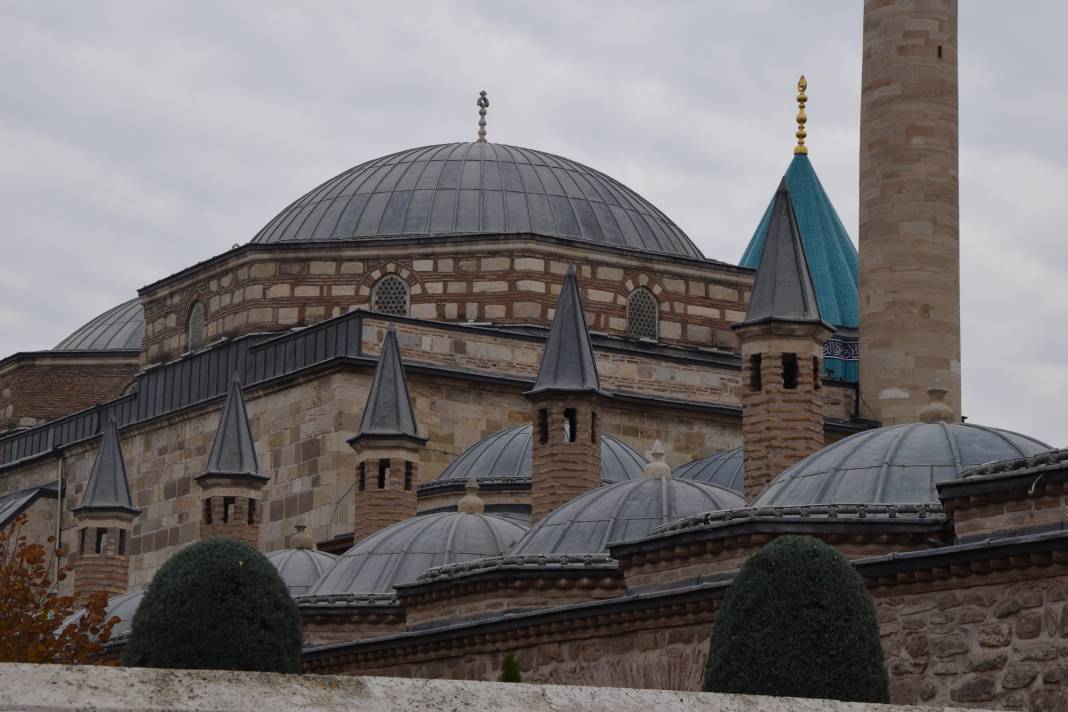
(1041, 475)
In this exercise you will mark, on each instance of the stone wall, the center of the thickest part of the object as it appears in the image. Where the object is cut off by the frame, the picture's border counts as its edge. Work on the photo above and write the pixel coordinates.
(507, 281)
(54, 688)
(35, 388)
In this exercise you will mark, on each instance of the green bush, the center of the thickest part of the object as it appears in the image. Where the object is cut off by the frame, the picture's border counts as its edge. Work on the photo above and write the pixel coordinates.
(797, 622)
(510, 669)
(216, 605)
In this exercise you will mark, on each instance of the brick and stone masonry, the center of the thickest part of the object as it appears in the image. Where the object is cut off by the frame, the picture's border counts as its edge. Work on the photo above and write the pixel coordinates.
(909, 211)
(387, 474)
(101, 563)
(567, 449)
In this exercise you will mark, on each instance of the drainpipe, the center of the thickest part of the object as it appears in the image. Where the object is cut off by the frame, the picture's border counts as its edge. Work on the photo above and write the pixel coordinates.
(60, 473)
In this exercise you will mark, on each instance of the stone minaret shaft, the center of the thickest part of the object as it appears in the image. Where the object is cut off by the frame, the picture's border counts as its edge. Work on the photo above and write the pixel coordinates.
(909, 210)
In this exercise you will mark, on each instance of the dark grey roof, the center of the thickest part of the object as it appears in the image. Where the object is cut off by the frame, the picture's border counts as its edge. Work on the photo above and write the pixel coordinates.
(725, 468)
(119, 328)
(388, 412)
(509, 455)
(400, 553)
(107, 489)
(300, 569)
(12, 505)
(233, 452)
(898, 464)
(783, 287)
(619, 512)
(568, 363)
(472, 188)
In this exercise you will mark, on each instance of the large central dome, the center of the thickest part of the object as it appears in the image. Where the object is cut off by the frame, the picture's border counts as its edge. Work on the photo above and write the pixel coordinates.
(477, 188)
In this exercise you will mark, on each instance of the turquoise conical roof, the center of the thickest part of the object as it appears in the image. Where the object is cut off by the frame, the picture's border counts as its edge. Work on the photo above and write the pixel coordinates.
(832, 257)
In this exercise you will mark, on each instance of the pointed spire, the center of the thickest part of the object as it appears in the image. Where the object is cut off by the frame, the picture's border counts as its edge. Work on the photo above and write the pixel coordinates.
(388, 412)
(108, 490)
(783, 289)
(568, 363)
(233, 453)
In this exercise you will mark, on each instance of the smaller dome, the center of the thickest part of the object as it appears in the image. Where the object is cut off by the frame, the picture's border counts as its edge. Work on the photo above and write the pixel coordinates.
(118, 329)
(300, 568)
(401, 552)
(509, 455)
(123, 607)
(725, 468)
(898, 464)
(626, 510)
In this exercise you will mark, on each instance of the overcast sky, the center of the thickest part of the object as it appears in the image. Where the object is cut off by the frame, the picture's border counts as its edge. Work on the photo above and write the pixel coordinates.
(140, 138)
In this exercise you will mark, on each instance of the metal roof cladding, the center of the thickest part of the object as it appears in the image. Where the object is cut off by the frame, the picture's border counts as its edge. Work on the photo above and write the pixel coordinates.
(620, 512)
(478, 188)
(300, 569)
(832, 257)
(119, 328)
(401, 552)
(726, 469)
(108, 489)
(509, 454)
(898, 464)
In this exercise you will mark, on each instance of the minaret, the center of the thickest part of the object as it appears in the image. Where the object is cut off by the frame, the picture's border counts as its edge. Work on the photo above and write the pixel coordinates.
(387, 448)
(566, 401)
(104, 519)
(782, 352)
(231, 483)
(909, 233)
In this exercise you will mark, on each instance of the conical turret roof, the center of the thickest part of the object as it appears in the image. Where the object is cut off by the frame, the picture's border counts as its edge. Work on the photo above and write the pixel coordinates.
(783, 289)
(832, 256)
(388, 413)
(107, 489)
(233, 453)
(568, 363)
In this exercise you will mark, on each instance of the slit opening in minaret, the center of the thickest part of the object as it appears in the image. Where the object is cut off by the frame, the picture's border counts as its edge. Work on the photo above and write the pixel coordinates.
(383, 466)
(207, 510)
(543, 426)
(363, 476)
(754, 373)
(789, 371)
(101, 539)
(81, 542)
(570, 426)
(251, 511)
(940, 51)
(122, 542)
(817, 375)
(407, 475)
(593, 427)
(228, 508)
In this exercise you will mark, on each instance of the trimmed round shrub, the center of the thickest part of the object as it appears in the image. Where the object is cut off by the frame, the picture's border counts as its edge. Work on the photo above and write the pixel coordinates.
(797, 622)
(216, 605)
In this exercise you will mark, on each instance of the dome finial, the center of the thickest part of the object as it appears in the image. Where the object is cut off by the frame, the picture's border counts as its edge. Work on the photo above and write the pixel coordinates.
(471, 503)
(302, 539)
(657, 469)
(937, 411)
(802, 118)
(483, 104)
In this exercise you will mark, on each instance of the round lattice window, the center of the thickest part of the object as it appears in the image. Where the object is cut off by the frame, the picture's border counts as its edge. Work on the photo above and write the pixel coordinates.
(196, 326)
(391, 296)
(642, 313)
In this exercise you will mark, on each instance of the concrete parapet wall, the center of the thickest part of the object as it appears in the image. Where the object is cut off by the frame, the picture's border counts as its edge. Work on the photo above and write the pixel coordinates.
(51, 688)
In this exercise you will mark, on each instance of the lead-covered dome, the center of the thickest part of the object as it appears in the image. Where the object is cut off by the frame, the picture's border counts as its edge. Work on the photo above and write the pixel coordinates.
(619, 512)
(118, 329)
(399, 553)
(725, 468)
(477, 188)
(898, 464)
(300, 569)
(509, 455)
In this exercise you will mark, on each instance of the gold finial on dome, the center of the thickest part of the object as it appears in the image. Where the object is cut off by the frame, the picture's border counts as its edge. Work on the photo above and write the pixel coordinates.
(657, 469)
(483, 104)
(937, 411)
(802, 118)
(471, 503)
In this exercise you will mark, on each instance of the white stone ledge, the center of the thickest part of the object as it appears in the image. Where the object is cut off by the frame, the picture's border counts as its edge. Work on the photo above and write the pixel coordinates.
(51, 688)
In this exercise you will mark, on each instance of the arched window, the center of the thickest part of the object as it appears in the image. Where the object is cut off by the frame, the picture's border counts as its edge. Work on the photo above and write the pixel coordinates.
(196, 326)
(642, 313)
(390, 296)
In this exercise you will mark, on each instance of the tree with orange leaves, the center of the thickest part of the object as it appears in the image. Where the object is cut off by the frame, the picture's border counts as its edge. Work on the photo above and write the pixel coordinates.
(36, 624)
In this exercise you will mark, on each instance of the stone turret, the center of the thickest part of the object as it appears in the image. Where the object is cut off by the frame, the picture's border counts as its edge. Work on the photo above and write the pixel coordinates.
(104, 519)
(782, 341)
(231, 483)
(388, 447)
(566, 403)
(909, 208)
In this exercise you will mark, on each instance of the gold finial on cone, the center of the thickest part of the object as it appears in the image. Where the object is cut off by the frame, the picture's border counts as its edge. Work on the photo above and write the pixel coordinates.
(802, 118)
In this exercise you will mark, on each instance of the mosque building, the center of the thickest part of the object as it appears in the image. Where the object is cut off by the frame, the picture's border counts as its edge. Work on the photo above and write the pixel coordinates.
(473, 398)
